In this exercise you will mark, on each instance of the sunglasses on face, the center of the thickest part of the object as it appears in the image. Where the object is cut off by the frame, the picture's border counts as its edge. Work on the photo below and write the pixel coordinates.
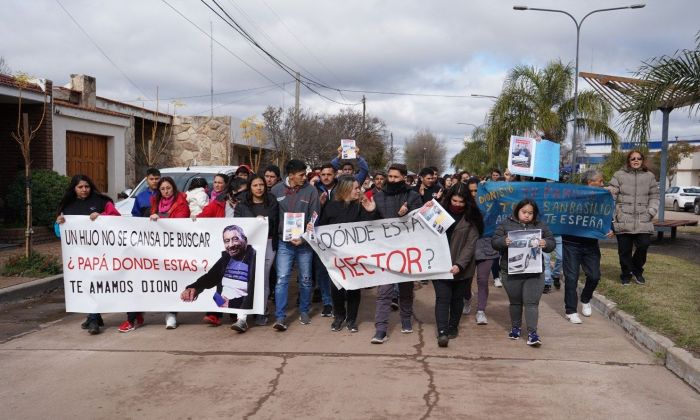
(632, 159)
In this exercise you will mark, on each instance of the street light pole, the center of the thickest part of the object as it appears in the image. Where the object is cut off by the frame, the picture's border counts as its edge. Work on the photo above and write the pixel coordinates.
(578, 35)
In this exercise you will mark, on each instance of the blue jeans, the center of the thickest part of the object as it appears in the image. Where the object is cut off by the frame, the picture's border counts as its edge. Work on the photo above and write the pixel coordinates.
(575, 256)
(286, 254)
(548, 272)
(323, 281)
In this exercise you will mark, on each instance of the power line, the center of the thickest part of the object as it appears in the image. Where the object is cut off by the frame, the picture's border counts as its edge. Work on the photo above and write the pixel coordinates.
(206, 95)
(267, 37)
(100, 49)
(225, 48)
(300, 42)
(240, 30)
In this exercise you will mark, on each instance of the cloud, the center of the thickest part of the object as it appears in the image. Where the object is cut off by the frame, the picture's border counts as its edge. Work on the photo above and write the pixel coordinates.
(446, 47)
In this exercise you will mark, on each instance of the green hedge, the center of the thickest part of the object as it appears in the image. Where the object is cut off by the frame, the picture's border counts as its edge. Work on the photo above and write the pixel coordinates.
(47, 190)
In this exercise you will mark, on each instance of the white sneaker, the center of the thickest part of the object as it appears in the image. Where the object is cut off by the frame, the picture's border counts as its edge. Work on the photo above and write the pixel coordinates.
(467, 307)
(586, 309)
(170, 321)
(574, 318)
(497, 282)
(481, 318)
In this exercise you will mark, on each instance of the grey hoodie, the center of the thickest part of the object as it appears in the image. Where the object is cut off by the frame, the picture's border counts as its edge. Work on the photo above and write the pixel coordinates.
(296, 200)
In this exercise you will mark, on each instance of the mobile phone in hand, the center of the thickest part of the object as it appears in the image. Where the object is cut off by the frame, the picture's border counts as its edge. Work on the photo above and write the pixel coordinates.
(219, 299)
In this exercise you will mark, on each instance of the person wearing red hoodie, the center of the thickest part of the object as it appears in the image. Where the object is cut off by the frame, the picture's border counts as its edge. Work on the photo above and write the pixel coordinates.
(169, 203)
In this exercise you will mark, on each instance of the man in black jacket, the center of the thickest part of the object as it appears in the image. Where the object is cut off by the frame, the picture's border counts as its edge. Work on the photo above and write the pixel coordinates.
(233, 274)
(395, 200)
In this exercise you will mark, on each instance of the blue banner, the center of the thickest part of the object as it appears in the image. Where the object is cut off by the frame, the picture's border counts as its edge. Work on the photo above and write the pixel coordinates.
(567, 209)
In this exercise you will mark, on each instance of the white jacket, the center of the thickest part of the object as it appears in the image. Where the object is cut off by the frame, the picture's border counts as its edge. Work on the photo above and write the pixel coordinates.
(197, 199)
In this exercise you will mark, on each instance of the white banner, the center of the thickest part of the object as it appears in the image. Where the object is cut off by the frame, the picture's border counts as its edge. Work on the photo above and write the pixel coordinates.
(386, 251)
(120, 264)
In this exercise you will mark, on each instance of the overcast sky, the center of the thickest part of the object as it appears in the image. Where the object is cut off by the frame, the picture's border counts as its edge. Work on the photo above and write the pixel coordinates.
(429, 47)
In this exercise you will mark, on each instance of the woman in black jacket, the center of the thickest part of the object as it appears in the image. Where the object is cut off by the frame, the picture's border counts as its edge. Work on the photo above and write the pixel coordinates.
(348, 205)
(257, 201)
(462, 237)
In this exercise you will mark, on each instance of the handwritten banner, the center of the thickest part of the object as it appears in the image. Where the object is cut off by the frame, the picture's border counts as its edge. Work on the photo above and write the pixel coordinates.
(386, 251)
(116, 264)
(568, 209)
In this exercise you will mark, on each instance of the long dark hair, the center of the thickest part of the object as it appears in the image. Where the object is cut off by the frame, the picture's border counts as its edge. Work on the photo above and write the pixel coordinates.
(231, 191)
(524, 202)
(69, 195)
(248, 196)
(472, 214)
(170, 181)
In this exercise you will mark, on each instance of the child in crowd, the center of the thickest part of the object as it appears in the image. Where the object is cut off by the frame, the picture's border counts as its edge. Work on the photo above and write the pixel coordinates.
(197, 197)
(523, 289)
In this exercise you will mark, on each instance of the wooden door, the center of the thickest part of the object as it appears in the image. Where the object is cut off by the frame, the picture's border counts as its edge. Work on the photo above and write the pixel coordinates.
(87, 154)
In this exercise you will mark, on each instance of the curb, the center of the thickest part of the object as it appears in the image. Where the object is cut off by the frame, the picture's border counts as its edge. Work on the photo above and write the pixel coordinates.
(31, 288)
(677, 360)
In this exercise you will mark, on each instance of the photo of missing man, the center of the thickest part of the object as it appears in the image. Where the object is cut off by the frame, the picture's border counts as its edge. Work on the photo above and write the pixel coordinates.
(233, 274)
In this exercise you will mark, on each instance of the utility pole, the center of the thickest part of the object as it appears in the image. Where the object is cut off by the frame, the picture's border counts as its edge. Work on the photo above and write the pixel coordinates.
(211, 66)
(364, 109)
(296, 113)
(391, 149)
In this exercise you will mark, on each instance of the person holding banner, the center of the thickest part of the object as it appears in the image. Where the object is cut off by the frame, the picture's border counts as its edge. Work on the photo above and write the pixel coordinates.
(347, 168)
(462, 237)
(83, 198)
(486, 257)
(346, 207)
(581, 252)
(294, 195)
(524, 290)
(636, 195)
(218, 186)
(395, 200)
(167, 203)
(258, 202)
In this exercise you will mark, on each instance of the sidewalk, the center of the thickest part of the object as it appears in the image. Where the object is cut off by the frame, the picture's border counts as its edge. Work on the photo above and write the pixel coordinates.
(593, 370)
(50, 248)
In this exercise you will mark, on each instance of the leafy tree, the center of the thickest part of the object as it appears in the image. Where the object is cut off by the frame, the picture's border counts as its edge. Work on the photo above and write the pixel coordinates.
(613, 163)
(424, 149)
(541, 101)
(474, 157)
(676, 153)
(667, 82)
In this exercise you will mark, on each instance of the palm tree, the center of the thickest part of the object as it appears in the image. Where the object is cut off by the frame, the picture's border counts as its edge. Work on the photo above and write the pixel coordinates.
(667, 82)
(474, 156)
(541, 101)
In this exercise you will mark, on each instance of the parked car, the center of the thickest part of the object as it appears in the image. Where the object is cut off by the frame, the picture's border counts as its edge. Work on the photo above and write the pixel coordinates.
(182, 177)
(681, 198)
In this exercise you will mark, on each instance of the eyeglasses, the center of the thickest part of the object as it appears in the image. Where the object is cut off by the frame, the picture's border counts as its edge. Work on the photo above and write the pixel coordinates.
(632, 159)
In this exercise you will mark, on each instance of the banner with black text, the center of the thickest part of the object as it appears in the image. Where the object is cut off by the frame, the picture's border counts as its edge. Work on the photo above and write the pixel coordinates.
(120, 264)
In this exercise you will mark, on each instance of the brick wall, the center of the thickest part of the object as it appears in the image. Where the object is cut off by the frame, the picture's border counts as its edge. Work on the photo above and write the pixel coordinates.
(41, 149)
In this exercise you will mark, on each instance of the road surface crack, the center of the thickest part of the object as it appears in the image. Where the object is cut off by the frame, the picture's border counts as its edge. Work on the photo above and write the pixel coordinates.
(431, 396)
(273, 387)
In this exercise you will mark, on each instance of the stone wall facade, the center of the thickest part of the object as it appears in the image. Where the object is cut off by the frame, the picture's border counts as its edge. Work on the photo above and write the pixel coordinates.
(200, 141)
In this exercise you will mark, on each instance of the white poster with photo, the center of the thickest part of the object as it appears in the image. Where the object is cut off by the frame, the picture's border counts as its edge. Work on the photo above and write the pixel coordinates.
(524, 252)
(347, 147)
(293, 226)
(133, 264)
(521, 156)
(366, 254)
(435, 216)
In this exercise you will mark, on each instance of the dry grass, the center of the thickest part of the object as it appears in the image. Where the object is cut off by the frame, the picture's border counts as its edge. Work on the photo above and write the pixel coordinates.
(669, 302)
